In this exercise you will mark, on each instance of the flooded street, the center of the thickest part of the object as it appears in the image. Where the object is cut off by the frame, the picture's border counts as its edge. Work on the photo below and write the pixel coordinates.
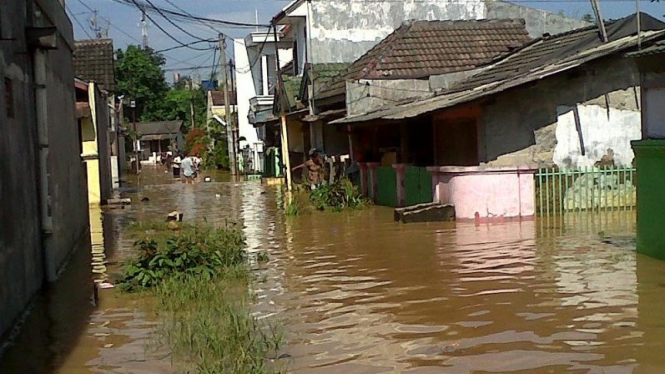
(356, 292)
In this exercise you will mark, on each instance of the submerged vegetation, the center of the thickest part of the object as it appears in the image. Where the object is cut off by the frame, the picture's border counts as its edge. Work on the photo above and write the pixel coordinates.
(337, 196)
(200, 278)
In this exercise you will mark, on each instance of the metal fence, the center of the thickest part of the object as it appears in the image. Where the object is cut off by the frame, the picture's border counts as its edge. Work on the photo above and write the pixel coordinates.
(586, 189)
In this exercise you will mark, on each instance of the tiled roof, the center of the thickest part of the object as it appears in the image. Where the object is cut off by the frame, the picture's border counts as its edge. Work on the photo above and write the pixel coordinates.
(218, 98)
(418, 49)
(541, 58)
(93, 62)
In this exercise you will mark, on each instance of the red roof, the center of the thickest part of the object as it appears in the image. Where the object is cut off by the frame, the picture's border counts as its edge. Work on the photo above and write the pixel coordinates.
(218, 98)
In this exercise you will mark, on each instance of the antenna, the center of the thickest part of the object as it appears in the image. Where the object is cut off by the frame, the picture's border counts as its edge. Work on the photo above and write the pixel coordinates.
(256, 17)
(144, 29)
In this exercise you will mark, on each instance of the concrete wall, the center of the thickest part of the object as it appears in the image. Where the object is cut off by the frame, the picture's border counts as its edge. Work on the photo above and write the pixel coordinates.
(538, 22)
(366, 95)
(535, 126)
(342, 31)
(22, 253)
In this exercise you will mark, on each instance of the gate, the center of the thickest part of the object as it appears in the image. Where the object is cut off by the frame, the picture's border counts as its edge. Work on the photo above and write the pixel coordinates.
(417, 185)
(386, 186)
(586, 189)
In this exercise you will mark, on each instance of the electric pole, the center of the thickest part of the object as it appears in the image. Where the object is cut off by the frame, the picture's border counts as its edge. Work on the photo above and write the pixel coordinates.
(227, 109)
(144, 29)
(234, 118)
(282, 110)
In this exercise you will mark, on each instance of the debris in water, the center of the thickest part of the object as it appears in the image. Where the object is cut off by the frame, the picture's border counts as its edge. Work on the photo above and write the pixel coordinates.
(105, 285)
(174, 216)
(207, 179)
(108, 345)
(145, 198)
(218, 195)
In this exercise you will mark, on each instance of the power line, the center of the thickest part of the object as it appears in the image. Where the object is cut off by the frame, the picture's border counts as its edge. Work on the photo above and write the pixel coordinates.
(173, 23)
(191, 15)
(191, 18)
(79, 23)
(166, 32)
(186, 45)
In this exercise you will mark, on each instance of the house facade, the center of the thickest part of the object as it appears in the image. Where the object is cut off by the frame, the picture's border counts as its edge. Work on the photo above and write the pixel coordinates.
(44, 211)
(92, 112)
(94, 63)
(324, 33)
(566, 101)
(158, 137)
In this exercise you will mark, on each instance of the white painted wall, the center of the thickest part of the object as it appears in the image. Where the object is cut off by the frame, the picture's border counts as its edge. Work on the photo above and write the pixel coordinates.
(599, 133)
(245, 91)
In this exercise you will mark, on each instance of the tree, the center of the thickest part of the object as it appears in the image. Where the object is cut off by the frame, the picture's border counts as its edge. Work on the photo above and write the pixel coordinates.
(140, 77)
(176, 105)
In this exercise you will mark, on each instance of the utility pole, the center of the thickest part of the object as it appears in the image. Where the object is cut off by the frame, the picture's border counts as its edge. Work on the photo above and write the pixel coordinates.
(639, 25)
(599, 20)
(144, 29)
(132, 104)
(234, 119)
(227, 110)
(282, 108)
(308, 59)
(191, 106)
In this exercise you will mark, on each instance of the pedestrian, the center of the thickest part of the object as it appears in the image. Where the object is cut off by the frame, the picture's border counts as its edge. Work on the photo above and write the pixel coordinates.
(176, 165)
(188, 169)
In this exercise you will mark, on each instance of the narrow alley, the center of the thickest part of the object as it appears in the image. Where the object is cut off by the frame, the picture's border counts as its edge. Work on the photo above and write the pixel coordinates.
(357, 293)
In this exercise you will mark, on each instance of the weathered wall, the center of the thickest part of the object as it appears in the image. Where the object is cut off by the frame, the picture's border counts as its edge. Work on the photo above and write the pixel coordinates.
(538, 22)
(343, 30)
(103, 119)
(21, 253)
(366, 95)
(21, 267)
(532, 127)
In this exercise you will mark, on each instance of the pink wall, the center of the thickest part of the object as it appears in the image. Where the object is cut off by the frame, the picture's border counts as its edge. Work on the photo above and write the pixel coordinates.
(485, 193)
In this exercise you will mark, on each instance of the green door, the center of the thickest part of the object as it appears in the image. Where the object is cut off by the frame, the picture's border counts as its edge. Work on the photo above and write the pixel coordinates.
(386, 187)
(417, 185)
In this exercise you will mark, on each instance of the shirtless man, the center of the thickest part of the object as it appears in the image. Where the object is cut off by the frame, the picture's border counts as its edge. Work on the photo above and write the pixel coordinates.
(314, 167)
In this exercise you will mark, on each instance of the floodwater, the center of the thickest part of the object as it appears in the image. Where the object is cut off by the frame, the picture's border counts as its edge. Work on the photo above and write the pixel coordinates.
(358, 293)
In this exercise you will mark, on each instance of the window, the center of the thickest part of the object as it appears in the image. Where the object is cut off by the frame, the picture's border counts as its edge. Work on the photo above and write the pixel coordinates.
(9, 97)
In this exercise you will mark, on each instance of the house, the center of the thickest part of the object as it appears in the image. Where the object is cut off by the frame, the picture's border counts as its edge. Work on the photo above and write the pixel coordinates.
(565, 100)
(44, 211)
(158, 137)
(94, 63)
(216, 106)
(92, 112)
(314, 35)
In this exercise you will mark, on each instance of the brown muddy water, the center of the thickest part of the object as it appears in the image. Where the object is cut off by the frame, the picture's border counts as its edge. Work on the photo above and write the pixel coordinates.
(358, 293)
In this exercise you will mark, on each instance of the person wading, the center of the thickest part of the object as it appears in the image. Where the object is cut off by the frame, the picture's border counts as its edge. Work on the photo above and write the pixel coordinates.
(176, 166)
(314, 167)
(188, 169)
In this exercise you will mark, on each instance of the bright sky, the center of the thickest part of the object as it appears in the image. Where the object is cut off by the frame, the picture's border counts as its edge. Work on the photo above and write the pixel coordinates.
(125, 28)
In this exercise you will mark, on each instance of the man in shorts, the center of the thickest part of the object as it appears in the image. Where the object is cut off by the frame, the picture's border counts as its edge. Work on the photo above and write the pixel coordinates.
(188, 169)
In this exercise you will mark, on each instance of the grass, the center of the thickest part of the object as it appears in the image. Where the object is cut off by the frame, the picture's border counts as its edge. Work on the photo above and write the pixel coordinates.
(201, 280)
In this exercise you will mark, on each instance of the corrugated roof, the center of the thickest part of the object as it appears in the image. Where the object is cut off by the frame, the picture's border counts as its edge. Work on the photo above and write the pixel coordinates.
(542, 58)
(158, 127)
(93, 62)
(419, 49)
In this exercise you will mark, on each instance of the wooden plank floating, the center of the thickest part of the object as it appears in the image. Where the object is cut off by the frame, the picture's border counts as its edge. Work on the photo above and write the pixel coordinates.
(428, 212)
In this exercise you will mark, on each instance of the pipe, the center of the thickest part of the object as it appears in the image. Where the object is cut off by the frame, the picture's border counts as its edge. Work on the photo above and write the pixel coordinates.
(41, 115)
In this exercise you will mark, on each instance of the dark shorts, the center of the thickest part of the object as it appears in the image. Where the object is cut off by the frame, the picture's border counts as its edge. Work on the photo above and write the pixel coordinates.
(176, 172)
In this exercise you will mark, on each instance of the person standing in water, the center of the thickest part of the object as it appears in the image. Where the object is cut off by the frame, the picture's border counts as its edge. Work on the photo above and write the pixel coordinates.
(175, 164)
(188, 169)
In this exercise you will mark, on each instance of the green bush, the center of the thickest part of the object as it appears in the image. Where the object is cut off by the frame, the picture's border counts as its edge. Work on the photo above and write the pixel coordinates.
(339, 195)
(201, 251)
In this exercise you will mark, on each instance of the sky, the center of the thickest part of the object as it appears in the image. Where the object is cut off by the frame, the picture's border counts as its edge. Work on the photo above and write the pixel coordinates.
(124, 23)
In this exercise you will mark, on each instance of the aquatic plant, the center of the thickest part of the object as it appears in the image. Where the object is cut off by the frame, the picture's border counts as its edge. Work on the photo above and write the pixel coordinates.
(339, 195)
(201, 279)
(208, 325)
(292, 208)
(197, 250)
